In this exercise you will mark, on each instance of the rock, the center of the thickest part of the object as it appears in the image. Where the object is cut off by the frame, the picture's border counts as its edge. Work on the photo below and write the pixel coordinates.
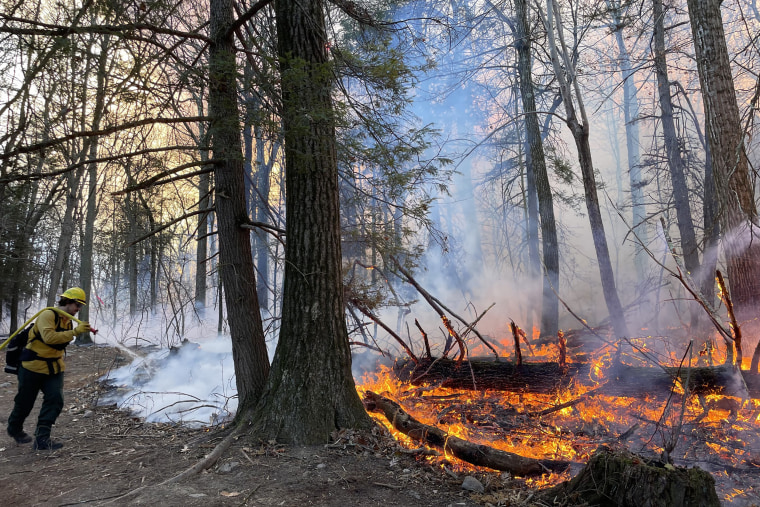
(621, 479)
(472, 484)
(228, 467)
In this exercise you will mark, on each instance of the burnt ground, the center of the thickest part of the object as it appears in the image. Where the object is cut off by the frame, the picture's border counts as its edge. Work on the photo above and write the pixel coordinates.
(111, 457)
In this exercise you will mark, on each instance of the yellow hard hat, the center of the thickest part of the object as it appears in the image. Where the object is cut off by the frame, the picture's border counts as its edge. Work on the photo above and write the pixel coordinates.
(76, 294)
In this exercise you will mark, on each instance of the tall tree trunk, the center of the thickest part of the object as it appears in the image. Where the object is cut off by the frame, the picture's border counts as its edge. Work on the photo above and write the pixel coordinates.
(537, 163)
(737, 212)
(311, 391)
(631, 113)
(64, 240)
(86, 265)
(564, 71)
(676, 164)
(201, 248)
(249, 351)
(130, 263)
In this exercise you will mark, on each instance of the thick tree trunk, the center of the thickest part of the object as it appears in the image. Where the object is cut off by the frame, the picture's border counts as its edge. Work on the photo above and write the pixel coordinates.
(476, 454)
(737, 212)
(537, 163)
(311, 391)
(249, 350)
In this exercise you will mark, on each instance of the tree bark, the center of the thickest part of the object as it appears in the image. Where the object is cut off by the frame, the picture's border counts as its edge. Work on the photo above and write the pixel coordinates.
(249, 350)
(311, 391)
(737, 212)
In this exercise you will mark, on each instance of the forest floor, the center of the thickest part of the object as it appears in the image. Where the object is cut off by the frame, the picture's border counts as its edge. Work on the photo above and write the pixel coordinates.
(111, 457)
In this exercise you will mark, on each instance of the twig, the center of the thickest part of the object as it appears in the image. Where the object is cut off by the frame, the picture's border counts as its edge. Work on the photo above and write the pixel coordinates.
(370, 347)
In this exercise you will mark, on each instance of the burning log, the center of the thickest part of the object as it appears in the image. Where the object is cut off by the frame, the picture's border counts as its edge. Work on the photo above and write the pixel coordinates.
(488, 374)
(549, 377)
(623, 479)
(476, 454)
(635, 380)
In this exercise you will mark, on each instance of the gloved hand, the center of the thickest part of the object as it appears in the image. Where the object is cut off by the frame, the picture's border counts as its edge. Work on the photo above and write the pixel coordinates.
(83, 327)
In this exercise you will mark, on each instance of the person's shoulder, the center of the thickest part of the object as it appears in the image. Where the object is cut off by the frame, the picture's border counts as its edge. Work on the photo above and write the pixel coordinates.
(47, 316)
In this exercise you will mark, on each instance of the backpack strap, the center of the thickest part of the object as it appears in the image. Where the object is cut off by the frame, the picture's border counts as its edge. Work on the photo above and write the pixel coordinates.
(57, 346)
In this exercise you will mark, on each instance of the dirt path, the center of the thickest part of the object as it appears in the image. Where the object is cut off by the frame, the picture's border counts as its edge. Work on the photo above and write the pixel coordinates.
(108, 454)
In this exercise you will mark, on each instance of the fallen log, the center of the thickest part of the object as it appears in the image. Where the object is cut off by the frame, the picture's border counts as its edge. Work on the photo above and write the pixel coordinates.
(637, 380)
(621, 479)
(488, 374)
(476, 454)
(548, 377)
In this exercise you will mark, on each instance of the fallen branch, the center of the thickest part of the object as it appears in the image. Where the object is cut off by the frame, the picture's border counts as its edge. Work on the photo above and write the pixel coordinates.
(478, 455)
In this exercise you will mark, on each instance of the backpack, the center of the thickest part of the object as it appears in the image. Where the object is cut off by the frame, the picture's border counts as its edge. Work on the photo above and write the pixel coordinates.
(15, 347)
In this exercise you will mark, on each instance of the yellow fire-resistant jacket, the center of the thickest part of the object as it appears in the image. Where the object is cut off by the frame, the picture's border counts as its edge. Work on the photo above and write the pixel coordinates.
(52, 340)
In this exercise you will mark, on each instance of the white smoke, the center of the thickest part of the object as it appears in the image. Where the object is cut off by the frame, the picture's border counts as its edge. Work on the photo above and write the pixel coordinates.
(193, 384)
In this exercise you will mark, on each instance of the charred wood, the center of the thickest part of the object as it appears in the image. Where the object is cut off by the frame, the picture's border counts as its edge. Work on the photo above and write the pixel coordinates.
(476, 454)
(502, 376)
(548, 377)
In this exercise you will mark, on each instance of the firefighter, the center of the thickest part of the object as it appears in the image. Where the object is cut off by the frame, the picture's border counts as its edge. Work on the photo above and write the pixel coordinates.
(42, 369)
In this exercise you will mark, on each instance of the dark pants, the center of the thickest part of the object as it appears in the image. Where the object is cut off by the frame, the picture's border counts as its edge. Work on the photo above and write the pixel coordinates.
(29, 385)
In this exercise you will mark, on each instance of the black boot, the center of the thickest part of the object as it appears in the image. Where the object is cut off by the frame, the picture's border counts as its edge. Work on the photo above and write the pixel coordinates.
(45, 444)
(20, 438)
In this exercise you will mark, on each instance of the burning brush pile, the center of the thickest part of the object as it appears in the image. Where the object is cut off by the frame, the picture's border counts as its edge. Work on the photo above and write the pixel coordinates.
(669, 416)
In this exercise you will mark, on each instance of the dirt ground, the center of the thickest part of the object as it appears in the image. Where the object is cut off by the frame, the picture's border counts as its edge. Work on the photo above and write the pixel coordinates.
(110, 457)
